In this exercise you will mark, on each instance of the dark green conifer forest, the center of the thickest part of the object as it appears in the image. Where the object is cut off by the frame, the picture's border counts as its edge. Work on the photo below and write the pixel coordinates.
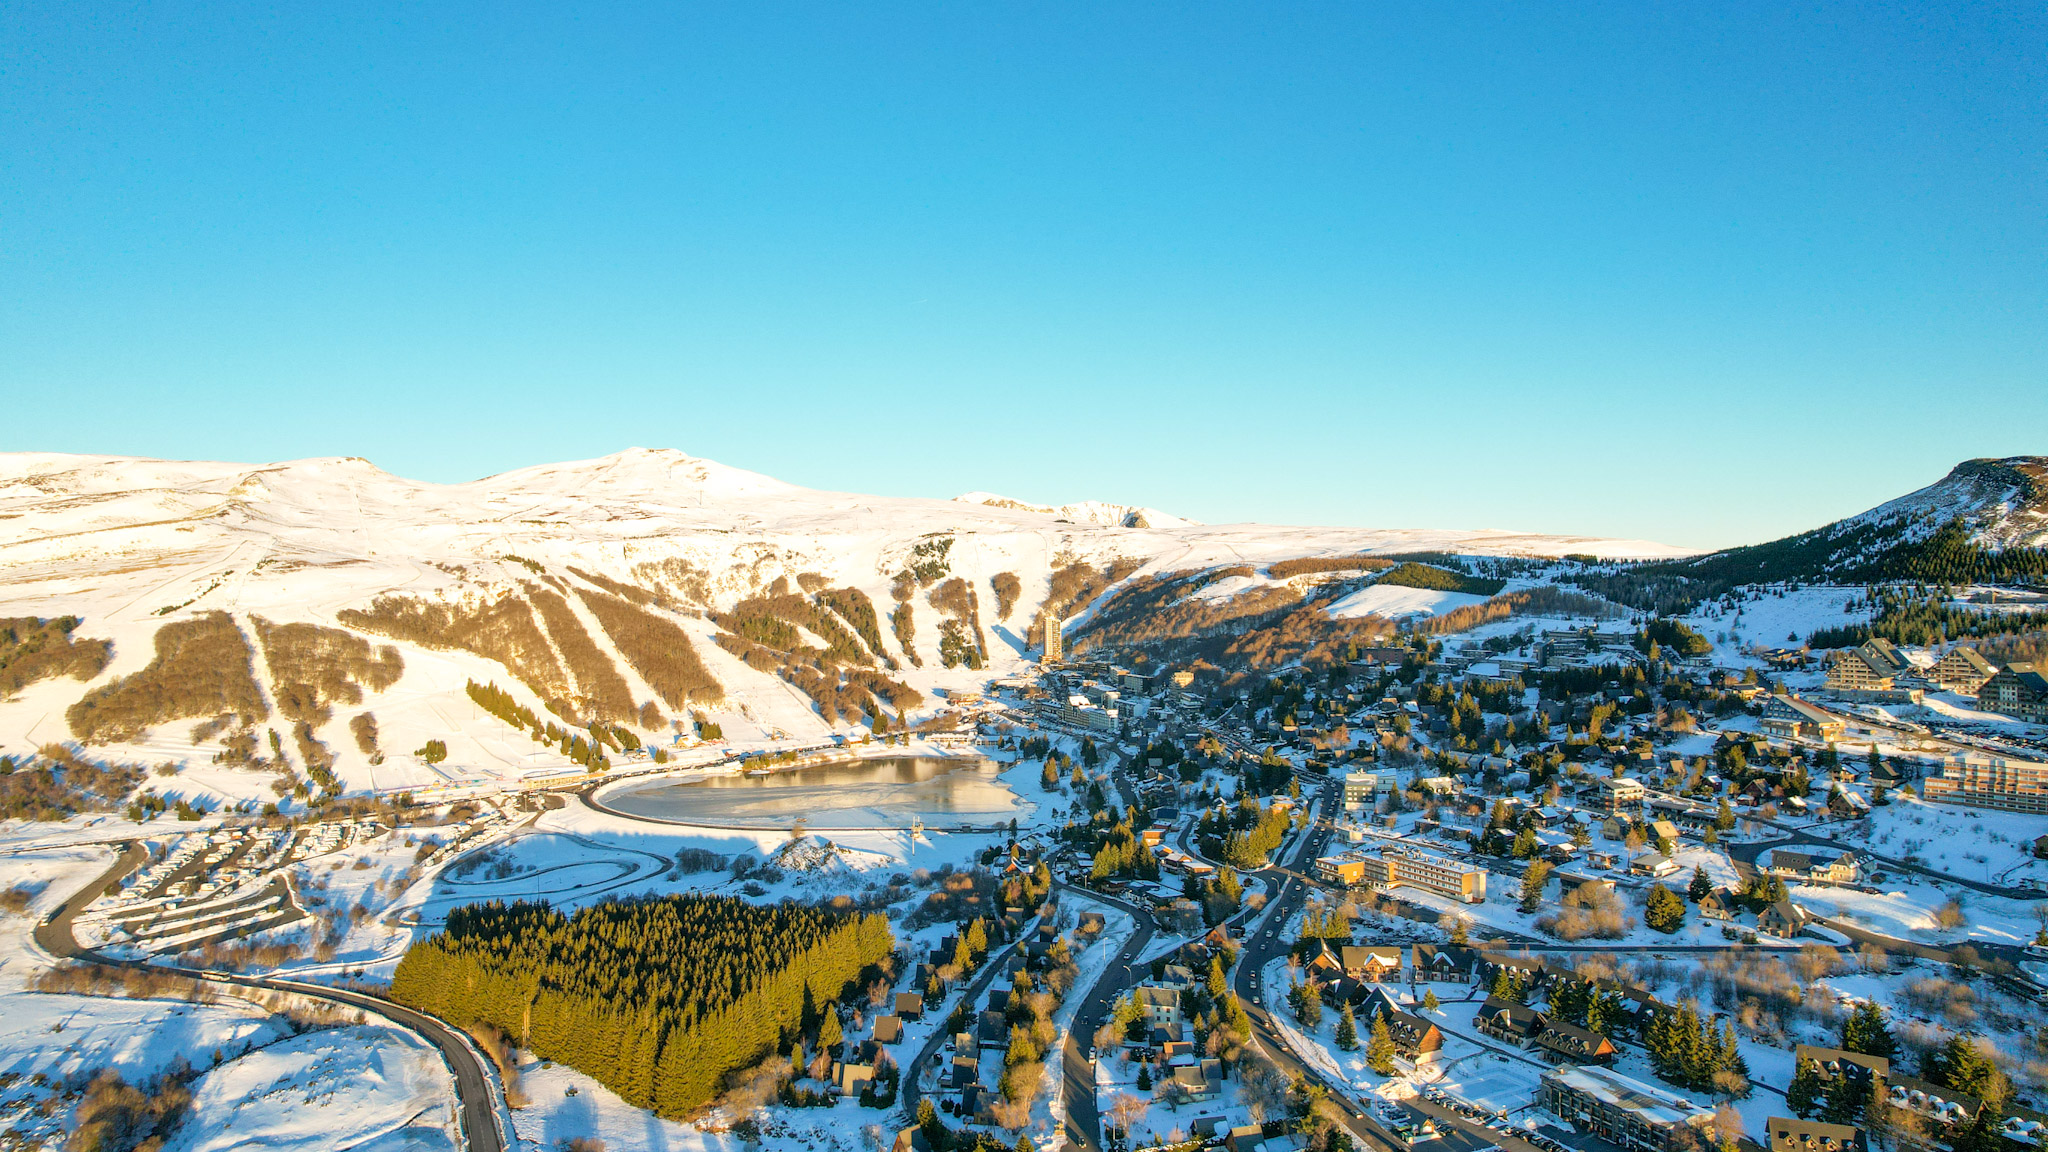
(659, 1000)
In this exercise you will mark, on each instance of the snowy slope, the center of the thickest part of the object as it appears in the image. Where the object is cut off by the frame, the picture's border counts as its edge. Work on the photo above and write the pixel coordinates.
(130, 545)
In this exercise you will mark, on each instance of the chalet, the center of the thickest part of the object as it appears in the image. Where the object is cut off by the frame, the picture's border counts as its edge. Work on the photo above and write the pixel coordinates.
(1719, 904)
(1448, 964)
(1414, 1037)
(1518, 1024)
(888, 1029)
(1570, 882)
(1790, 718)
(849, 1079)
(1571, 1044)
(1827, 865)
(2019, 691)
(910, 1005)
(1653, 864)
(1962, 671)
(910, 1139)
(992, 1030)
(1372, 963)
(1201, 1079)
(1789, 1135)
(1834, 1062)
(1781, 919)
(1847, 805)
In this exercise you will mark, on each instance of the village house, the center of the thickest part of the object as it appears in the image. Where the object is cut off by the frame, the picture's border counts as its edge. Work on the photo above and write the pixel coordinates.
(1790, 718)
(1826, 865)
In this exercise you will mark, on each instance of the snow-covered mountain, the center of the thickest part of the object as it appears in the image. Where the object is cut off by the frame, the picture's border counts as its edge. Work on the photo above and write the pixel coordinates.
(1086, 512)
(1986, 519)
(645, 590)
(2002, 502)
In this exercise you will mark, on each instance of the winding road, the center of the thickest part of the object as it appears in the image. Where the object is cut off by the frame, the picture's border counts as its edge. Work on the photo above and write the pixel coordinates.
(474, 1085)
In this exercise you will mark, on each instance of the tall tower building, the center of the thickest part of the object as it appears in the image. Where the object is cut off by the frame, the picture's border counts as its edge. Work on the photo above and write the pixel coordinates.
(1053, 652)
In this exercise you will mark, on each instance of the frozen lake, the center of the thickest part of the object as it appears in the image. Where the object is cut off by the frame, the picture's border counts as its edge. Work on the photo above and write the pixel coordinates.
(882, 792)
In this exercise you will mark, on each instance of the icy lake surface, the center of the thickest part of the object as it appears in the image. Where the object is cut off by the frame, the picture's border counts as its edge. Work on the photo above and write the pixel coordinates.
(883, 792)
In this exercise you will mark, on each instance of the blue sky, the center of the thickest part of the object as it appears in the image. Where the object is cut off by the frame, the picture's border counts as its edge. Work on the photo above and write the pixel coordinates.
(1705, 274)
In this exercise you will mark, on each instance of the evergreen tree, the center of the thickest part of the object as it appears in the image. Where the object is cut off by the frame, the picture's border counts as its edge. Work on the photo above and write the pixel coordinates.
(1347, 1029)
(1700, 886)
(1664, 911)
(1803, 1095)
(830, 1034)
(1532, 885)
(1379, 1051)
(1867, 1032)
(1429, 1001)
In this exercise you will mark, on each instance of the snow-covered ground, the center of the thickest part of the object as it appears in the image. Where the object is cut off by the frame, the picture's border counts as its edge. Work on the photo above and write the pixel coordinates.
(1394, 601)
(364, 1088)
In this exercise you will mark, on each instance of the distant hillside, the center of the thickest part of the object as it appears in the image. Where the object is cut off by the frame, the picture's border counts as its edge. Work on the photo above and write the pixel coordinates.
(1986, 521)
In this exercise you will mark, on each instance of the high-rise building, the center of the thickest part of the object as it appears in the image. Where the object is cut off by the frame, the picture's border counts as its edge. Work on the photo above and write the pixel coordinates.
(1053, 654)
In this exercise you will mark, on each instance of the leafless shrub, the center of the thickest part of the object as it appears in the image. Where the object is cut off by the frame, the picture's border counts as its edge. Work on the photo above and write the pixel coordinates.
(659, 650)
(202, 668)
(503, 630)
(363, 726)
(597, 678)
(33, 649)
(1587, 911)
(314, 668)
(1008, 590)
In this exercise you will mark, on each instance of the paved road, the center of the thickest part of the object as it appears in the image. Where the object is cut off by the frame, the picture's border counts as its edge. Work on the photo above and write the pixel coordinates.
(908, 1092)
(473, 1083)
(1084, 1120)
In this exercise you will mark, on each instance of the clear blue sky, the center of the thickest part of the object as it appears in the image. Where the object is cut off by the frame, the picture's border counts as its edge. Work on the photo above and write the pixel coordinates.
(1701, 273)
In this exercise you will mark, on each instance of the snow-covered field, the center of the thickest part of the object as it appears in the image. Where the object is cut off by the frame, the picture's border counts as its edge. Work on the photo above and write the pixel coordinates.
(1394, 601)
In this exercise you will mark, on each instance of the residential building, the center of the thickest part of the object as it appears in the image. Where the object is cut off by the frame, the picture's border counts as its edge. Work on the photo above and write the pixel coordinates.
(1396, 866)
(1448, 963)
(2019, 691)
(1791, 718)
(1372, 963)
(1571, 1044)
(1161, 1006)
(1618, 793)
(1828, 865)
(1962, 670)
(1653, 864)
(1782, 919)
(1362, 786)
(1637, 1116)
(1990, 781)
(1850, 670)
(1518, 1024)
(1789, 1135)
